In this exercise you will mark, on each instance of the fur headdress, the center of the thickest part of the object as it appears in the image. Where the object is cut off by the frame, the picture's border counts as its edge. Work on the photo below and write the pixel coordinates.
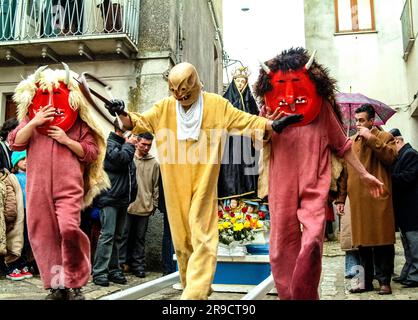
(95, 178)
(294, 59)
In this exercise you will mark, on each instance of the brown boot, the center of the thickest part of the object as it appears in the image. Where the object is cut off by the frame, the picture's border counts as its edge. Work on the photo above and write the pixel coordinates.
(58, 294)
(385, 289)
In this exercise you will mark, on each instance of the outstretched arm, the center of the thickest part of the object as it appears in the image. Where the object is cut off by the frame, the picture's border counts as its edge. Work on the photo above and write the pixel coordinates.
(376, 187)
(278, 120)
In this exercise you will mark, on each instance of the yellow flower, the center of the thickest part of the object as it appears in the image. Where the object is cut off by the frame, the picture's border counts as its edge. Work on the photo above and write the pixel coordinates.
(238, 226)
(220, 227)
(259, 224)
(247, 224)
(233, 220)
(226, 224)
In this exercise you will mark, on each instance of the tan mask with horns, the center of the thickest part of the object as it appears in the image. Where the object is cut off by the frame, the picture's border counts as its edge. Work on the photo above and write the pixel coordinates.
(184, 83)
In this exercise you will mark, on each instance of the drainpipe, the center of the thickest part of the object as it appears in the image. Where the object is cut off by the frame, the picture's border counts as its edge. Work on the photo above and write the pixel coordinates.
(216, 25)
(180, 37)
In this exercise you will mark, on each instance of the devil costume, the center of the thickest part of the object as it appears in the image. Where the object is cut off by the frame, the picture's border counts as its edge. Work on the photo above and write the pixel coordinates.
(300, 170)
(59, 183)
(239, 169)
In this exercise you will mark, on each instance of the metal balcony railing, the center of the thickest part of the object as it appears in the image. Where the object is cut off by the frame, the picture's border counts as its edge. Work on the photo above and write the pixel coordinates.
(25, 20)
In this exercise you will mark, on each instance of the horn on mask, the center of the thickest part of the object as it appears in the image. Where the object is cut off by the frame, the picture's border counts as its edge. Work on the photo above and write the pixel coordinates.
(311, 59)
(264, 67)
(38, 72)
(67, 73)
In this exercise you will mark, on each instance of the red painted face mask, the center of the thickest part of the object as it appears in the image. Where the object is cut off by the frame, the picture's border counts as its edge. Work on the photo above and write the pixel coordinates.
(294, 93)
(64, 116)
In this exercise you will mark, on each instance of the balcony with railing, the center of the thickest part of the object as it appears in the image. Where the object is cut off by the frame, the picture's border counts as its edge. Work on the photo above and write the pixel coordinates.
(41, 31)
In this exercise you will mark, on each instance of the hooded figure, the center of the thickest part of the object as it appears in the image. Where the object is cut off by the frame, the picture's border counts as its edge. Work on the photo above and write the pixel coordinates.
(239, 171)
(65, 152)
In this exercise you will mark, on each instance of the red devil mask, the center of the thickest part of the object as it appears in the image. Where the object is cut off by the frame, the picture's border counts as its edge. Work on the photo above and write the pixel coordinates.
(295, 93)
(64, 116)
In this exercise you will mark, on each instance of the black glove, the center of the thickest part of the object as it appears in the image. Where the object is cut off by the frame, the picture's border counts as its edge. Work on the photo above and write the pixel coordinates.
(116, 107)
(279, 124)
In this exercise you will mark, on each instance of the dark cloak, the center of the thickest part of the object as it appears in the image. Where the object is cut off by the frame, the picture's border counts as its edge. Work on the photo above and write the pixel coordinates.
(238, 176)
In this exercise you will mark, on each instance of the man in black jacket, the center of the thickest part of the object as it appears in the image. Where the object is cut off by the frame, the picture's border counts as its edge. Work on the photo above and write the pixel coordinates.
(113, 204)
(5, 152)
(405, 203)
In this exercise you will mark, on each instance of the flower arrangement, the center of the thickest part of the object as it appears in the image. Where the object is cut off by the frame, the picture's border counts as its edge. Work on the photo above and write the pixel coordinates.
(239, 220)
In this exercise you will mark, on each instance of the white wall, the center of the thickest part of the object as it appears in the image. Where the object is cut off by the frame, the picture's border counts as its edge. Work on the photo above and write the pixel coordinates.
(412, 80)
(370, 63)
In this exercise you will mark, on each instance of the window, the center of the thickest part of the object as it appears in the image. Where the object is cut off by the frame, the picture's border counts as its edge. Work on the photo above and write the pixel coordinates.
(408, 33)
(10, 107)
(354, 16)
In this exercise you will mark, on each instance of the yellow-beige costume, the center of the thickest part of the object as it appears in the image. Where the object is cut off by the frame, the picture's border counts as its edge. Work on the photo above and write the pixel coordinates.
(190, 172)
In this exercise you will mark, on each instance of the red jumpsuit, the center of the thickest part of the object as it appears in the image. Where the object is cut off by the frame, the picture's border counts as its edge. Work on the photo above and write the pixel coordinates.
(299, 182)
(54, 200)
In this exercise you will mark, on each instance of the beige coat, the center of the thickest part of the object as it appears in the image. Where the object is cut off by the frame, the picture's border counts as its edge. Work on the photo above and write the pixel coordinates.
(372, 220)
(147, 175)
(345, 228)
(14, 236)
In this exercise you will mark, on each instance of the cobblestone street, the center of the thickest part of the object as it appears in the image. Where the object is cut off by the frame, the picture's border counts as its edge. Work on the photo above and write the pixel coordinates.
(333, 284)
(335, 287)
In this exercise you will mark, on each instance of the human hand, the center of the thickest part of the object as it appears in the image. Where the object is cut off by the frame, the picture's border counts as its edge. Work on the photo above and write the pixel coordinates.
(131, 139)
(58, 134)
(280, 124)
(45, 114)
(376, 187)
(364, 132)
(277, 114)
(340, 209)
(115, 107)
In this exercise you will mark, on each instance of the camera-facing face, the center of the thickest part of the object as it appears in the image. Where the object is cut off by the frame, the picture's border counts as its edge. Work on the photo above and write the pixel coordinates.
(240, 83)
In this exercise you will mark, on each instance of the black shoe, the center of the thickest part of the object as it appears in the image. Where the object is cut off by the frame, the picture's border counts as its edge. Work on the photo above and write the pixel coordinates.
(398, 279)
(118, 278)
(58, 294)
(140, 274)
(101, 281)
(76, 294)
(409, 284)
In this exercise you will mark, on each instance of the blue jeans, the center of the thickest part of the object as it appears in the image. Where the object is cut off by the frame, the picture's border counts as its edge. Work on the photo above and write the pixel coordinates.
(410, 247)
(169, 265)
(352, 258)
(106, 260)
